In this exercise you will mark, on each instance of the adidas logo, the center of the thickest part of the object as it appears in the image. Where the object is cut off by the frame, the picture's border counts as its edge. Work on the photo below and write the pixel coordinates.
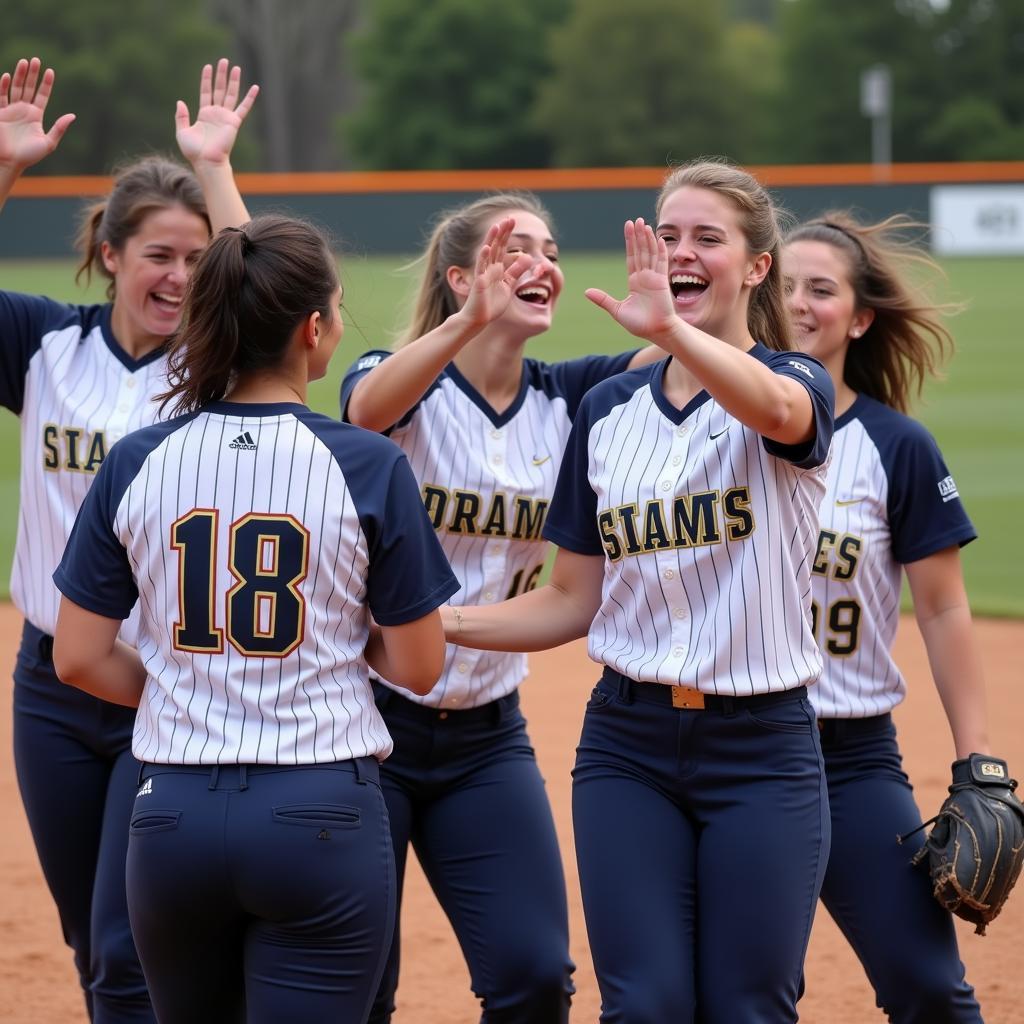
(147, 788)
(244, 442)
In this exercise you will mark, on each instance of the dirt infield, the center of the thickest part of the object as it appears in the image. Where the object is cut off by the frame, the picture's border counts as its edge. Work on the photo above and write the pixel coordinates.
(37, 982)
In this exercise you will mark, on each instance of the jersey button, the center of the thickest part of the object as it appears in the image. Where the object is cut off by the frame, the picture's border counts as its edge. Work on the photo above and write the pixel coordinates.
(443, 714)
(496, 434)
(489, 595)
(463, 666)
(666, 485)
(683, 431)
(680, 613)
(679, 652)
(130, 382)
(497, 460)
(669, 574)
(677, 460)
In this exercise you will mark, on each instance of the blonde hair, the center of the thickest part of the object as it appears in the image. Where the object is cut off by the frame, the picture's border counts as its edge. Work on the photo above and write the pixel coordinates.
(907, 341)
(767, 319)
(453, 243)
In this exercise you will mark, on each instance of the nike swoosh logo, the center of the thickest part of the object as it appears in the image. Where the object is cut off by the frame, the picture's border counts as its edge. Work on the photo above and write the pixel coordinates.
(540, 462)
(712, 437)
(848, 501)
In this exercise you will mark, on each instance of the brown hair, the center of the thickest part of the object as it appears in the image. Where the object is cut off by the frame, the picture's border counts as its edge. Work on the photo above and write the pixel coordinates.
(140, 188)
(767, 319)
(250, 289)
(453, 243)
(907, 341)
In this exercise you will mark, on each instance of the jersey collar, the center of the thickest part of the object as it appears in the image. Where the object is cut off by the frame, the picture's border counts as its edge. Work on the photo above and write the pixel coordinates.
(107, 330)
(497, 419)
(852, 413)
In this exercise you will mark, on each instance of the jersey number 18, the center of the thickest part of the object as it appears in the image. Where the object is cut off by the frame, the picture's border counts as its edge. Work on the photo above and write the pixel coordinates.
(264, 611)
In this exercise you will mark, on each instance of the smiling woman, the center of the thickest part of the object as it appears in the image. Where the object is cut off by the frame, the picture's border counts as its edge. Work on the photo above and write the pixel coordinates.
(484, 429)
(80, 377)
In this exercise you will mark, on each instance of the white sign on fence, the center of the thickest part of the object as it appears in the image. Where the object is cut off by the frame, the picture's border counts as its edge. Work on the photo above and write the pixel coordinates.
(977, 220)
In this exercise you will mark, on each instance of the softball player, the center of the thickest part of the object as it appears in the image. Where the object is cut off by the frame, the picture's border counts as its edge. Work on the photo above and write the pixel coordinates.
(484, 430)
(257, 539)
(80, 377)
(686, 515)
(890, 503)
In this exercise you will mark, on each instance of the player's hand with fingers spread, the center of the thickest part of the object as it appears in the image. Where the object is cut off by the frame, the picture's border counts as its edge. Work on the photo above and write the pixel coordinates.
(210, 139)
(647, 311)
(495, 279)
(23, 99)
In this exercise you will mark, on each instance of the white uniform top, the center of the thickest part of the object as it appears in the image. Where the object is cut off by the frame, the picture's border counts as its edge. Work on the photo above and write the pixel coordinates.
(487, 479)
(889, 500)
(707, 530)
(77, 392)
(258, 540)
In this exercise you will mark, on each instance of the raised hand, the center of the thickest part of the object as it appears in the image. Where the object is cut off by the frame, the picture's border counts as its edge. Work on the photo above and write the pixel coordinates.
(220, 115)
(647, 311)
(23, 99)
(494, 281)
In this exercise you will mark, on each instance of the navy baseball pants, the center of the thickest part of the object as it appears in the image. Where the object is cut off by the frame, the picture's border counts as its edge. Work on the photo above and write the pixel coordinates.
(72, 754)
(701, 838)
(464, 788)
(884, 906)
(261, 893)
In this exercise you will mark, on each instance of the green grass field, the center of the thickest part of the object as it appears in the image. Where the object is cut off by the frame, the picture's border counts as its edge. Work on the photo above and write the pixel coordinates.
(977, 413)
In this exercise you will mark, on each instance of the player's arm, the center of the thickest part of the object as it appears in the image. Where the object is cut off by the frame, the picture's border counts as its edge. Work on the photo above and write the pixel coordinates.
(207, 144)
(775, 406)
(944, 618)
(560, 611)
(88, 655)
(381, 398)
(23, 142)
(410, 655)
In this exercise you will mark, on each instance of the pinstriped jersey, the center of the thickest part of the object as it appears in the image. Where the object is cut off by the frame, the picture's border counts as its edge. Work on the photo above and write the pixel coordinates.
(76, 392)
(706, 528)
(889, 500)
(486, 480)
(258, 539)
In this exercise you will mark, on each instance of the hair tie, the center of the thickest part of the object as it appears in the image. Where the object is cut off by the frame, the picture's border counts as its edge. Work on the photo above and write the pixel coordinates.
(246, 240)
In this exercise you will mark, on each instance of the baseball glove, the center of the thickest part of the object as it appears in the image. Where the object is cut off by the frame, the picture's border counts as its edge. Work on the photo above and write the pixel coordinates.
(975, 851)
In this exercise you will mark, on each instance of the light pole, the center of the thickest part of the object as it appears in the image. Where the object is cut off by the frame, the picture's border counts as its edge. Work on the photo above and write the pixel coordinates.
(876, 103)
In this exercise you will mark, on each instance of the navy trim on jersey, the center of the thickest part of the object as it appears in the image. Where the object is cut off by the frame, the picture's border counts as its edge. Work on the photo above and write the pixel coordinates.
(24, 321)
(95, 571)
(570, 379)
(925, 512)
(409, 575)
(106, 315)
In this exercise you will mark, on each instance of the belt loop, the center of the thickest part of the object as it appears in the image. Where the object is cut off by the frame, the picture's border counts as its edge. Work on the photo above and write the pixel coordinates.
(625, 689)
(46, 647)
(728, 707)
(243, 778)
(214, 776)
(142, 768)
(357, 764)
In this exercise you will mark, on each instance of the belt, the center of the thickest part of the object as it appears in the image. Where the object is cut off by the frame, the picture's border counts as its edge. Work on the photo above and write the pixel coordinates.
(690, 699)
(835, 730)
(236, 776)
(390, 702)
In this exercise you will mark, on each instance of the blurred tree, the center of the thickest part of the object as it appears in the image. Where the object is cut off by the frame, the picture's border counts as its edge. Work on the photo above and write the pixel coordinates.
(448, 83)
(120, 67)
(294, 49)
(957, 70)
(652, 87)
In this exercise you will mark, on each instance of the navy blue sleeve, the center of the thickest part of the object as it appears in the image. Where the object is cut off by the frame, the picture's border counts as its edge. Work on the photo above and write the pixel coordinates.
(575, 377)
(572, 517)
(357, 371)
(814, 377)
(926, 514)
(409, 573)
(24, 319)
(95, 571)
